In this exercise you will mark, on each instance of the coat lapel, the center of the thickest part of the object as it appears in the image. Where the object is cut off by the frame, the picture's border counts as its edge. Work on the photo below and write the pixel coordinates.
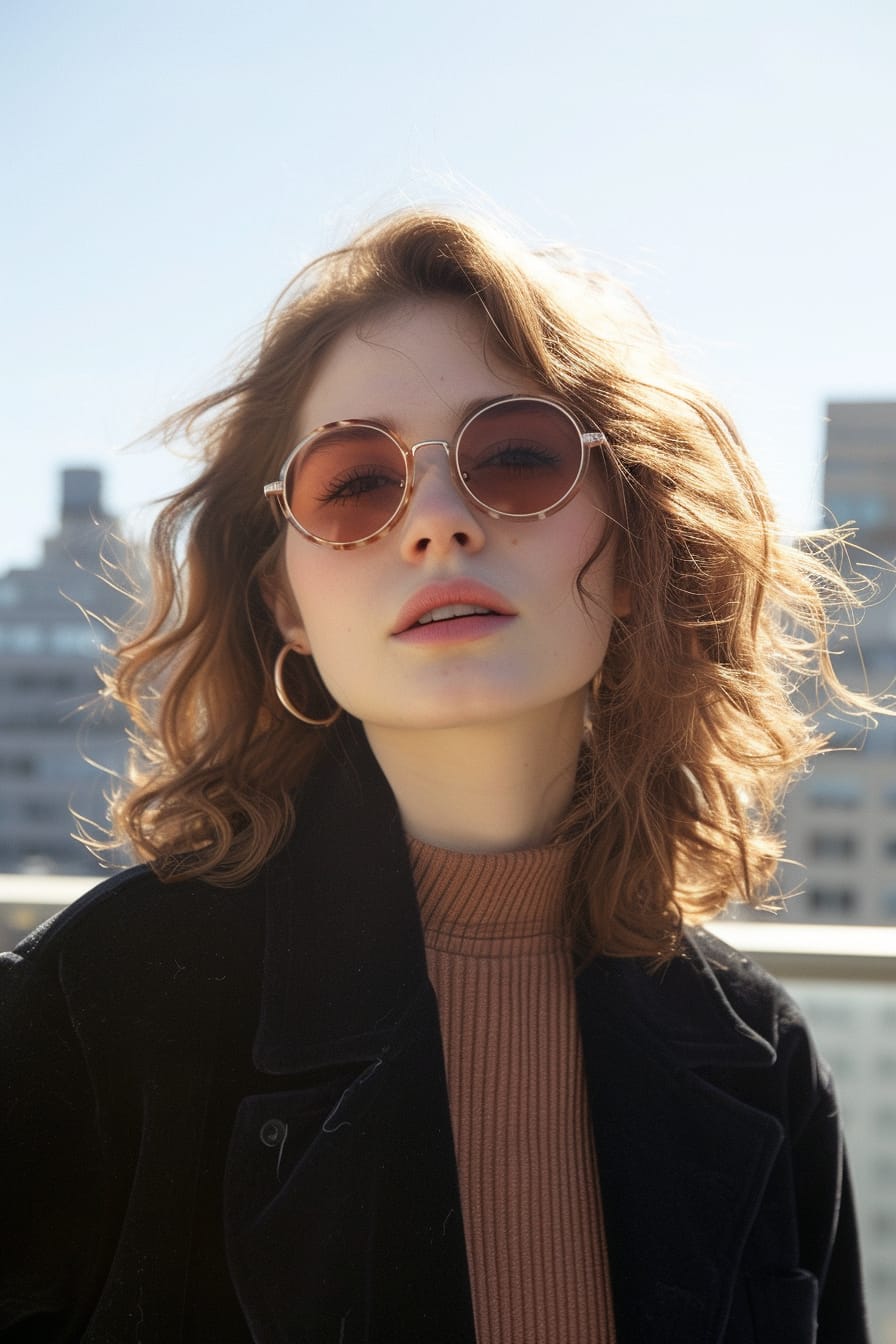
(344, 949)
(682, 1163)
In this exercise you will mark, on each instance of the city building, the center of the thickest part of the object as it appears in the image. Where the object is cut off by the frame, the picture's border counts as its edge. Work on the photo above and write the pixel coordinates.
(53, 727)
(840, 821)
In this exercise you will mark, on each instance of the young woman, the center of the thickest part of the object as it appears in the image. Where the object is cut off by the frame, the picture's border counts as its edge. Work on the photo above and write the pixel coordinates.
(463, 699)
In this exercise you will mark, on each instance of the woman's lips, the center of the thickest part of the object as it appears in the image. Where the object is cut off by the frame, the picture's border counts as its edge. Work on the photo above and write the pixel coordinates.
(455, 630)
(446, 612)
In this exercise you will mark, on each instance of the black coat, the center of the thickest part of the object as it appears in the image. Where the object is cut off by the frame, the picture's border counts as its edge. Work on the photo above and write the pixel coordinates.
(228, 1119)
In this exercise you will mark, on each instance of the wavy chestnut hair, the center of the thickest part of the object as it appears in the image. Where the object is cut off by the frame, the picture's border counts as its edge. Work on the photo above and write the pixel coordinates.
(693, 729)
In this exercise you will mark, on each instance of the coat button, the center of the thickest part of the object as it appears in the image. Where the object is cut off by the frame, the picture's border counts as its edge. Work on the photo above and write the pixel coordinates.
(272, 1133)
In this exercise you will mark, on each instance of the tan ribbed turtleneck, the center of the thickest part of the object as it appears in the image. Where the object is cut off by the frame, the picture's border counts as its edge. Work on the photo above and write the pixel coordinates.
(516, 1086)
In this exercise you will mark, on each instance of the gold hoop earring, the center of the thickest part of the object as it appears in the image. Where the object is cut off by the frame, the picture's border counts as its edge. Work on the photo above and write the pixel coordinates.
(284, 698)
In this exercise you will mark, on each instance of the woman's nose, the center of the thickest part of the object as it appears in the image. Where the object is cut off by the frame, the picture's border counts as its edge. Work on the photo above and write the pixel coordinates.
(438, 518)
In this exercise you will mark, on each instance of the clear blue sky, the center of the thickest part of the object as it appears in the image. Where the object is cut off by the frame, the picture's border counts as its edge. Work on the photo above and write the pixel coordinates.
(170, 165)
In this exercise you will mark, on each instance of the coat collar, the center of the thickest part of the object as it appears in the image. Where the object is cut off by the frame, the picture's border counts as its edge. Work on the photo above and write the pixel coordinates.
(682, 1009)
(344, 946)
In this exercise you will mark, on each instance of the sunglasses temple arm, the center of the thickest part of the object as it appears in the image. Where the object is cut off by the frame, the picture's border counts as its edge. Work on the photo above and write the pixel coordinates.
(273, 493)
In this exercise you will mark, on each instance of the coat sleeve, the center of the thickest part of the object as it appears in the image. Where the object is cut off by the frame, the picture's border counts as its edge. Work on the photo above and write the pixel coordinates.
(828, 1229)
(802, 1262)
(51, 1160)
(823, 1217)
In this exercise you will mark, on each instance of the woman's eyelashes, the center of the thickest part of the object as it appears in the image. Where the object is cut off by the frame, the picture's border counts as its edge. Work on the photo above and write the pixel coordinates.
(359, 481)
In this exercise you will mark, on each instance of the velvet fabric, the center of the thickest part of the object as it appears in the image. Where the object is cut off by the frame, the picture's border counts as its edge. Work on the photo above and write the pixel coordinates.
(225, 1118)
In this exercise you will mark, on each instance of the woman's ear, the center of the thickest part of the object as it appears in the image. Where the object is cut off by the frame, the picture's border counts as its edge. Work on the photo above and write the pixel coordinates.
(285, 613)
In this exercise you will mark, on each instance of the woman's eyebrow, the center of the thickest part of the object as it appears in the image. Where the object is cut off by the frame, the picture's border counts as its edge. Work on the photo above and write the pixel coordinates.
(463, 412)
(389, 422)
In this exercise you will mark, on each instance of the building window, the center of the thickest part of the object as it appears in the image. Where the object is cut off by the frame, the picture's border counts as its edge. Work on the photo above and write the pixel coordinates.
(73, 639)
(835, 793)
(867, 508)
(888, 903)
(832, 845)
(39, 682)
(21, 637)
(16, 767)
(41, 809)
(832, 900)
(890, 847)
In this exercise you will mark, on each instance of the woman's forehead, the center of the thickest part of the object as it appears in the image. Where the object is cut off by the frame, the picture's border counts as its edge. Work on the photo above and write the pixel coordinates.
(421, 362)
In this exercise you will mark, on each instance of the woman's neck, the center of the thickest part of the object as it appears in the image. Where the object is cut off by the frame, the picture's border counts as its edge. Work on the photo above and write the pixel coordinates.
(487, 787)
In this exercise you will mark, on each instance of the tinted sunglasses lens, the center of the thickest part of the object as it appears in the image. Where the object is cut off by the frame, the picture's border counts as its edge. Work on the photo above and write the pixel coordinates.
(346, 484)
(522, 458)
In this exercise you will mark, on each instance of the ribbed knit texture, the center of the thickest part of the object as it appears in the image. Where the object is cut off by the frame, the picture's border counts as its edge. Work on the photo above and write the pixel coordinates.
(528, 1177)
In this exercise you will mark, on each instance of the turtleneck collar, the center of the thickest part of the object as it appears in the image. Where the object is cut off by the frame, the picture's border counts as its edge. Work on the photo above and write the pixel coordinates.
(491, 904)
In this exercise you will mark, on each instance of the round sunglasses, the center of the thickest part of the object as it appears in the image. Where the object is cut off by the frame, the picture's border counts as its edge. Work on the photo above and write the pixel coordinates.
(348, 482)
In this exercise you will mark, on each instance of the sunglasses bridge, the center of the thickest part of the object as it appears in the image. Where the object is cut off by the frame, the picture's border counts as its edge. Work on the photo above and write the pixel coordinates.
(410, 450)
(450, 453)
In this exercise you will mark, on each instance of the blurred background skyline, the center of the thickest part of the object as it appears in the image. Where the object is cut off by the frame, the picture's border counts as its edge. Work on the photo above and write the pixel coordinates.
(170, 168)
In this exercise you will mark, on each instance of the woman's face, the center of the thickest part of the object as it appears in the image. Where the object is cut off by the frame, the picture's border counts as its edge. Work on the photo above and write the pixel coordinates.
(414, 367)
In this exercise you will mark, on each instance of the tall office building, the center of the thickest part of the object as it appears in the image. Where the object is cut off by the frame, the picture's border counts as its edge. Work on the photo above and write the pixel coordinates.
(48, 654)
(840, 821)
